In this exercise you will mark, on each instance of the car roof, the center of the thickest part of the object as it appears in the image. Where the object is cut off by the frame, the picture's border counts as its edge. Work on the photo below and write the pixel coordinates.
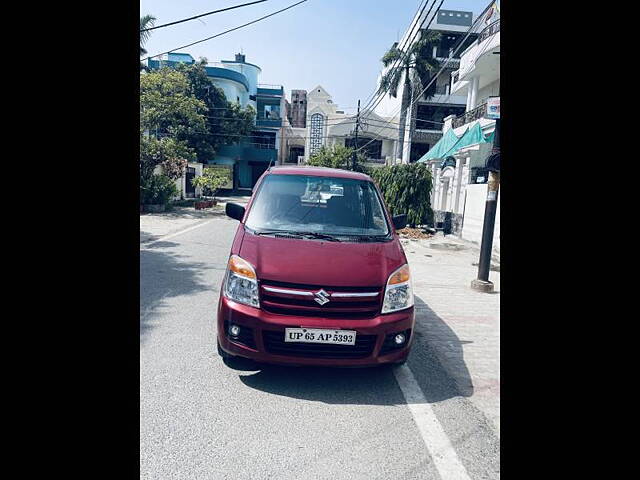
(317, 172)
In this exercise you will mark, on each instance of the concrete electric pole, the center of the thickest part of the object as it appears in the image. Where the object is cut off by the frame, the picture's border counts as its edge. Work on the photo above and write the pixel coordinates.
(355, 151)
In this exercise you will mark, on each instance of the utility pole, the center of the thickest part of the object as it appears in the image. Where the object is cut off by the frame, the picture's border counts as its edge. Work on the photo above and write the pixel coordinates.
(482, 283)
(355, 151)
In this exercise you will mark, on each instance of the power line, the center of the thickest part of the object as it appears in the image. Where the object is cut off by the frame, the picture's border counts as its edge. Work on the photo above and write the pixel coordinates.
(383, 93)
(408, 39)
(405, 50)
(226, 31)
(405, 55)
(452, 54)
(201, 15)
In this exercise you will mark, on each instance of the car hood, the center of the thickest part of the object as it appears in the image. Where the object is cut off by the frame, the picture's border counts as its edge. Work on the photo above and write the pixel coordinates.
(317, 262)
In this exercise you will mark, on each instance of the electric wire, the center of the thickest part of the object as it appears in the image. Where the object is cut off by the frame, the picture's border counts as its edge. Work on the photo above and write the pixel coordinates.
(201, 15)
(226, 31)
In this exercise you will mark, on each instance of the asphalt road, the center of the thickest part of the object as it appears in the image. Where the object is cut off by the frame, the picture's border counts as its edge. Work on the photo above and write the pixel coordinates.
(201, 419)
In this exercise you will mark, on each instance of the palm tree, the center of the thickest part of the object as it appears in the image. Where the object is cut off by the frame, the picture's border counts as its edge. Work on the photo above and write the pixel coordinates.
(416, 68)
(145, 22)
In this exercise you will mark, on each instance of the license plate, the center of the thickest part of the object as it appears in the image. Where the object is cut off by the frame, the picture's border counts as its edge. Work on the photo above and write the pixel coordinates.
(320, 335)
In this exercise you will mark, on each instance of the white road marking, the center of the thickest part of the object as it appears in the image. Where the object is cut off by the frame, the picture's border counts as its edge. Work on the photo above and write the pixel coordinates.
(442, 452)
(175, 234)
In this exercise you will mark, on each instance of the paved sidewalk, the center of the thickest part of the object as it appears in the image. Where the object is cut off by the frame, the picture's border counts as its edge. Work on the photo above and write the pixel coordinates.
(461, 325)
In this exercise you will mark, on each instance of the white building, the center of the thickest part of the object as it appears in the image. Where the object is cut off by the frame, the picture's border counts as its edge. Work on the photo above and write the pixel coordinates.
(425, 116)
(458, 161)
(326, 125)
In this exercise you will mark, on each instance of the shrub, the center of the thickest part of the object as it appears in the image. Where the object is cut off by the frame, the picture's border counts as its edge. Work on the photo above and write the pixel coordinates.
(406, 189)
(338, 156)
(211, 180)
(157, 190)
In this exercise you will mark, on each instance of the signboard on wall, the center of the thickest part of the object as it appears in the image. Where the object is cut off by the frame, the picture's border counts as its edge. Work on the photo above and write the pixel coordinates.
(228, 169)
(493, 108)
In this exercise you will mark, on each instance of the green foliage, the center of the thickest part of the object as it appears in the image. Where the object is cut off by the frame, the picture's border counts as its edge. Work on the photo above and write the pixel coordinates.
(167, 107)
(225, 120)
(406, 189)
(417, 66)
(338, 156)
(157, 190)
(167, 152)
(211, 180)
(145, 22)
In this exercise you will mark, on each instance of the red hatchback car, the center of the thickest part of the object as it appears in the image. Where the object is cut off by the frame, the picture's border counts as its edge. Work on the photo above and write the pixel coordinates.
(317, 275)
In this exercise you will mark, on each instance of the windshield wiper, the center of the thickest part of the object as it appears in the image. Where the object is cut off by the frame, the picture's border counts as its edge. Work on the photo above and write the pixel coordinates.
(322, 236)
(270, 232)
(371, 238)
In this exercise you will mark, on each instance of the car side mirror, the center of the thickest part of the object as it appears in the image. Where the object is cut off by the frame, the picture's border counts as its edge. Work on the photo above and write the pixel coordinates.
(400, 221)
(234, 210)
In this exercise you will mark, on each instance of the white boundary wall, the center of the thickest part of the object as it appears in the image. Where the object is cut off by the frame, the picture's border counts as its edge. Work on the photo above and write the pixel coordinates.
(474, 216)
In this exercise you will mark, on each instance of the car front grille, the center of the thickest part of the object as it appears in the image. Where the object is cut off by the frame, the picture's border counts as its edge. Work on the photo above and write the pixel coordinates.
(299, 299)
(274, 343)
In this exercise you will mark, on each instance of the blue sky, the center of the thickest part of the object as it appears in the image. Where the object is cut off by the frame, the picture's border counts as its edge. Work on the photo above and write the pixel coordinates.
(335, 43)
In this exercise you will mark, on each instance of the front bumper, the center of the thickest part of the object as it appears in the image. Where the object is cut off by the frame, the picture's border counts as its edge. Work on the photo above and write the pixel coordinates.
(259, 321)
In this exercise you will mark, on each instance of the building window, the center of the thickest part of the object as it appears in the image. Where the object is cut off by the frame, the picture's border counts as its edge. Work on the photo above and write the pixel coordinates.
(317, 127)
(417, 151)
(265, 140)
(272, 112)
(431, 117)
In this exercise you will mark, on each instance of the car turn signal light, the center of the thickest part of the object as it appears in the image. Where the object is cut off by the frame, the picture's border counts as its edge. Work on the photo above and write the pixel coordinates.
(400, 276)
(241, 267)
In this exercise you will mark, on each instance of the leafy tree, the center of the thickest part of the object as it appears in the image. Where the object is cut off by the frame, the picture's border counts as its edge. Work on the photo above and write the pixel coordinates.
(145, 22)
(226, 121)
(171, 114)
(338, 156)
(167, 107)
(416, 68)
(406, 189)
(167, 153)
(211, 180)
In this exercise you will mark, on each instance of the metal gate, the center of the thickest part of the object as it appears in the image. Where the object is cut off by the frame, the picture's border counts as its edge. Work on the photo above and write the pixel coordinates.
(190, 190)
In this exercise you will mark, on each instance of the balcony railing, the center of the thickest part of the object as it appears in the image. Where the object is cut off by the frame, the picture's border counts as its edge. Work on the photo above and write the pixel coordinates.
(442, 90)
(470, 116)
(488, 31)
(451, 62)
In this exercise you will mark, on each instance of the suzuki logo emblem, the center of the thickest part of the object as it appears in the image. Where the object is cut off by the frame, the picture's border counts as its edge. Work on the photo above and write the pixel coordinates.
(322, 297)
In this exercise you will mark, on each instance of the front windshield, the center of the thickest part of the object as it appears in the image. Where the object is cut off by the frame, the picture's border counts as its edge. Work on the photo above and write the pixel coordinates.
(326, 205)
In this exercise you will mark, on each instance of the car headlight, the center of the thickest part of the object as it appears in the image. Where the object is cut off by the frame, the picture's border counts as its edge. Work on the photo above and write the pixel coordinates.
(241, 282)
(399, 294)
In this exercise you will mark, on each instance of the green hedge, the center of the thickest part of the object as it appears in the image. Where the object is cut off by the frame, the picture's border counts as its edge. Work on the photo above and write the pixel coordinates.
(157, 189)
(406, 189)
